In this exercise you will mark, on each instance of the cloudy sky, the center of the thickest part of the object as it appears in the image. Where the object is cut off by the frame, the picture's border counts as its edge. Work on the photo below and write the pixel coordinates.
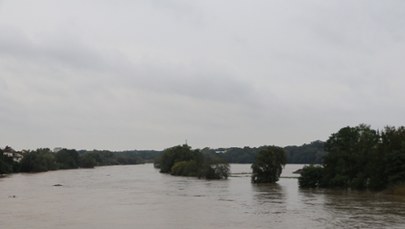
(148, 74)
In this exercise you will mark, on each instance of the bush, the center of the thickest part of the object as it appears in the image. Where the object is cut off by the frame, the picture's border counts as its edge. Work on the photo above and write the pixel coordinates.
(268, 165)
(311, 177)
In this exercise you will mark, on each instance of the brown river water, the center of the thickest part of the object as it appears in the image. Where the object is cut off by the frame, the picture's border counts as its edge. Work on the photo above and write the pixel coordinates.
(138, 196)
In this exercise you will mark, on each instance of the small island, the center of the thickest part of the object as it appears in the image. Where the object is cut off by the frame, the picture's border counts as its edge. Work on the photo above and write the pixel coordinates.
(360, 158)
(183, 161)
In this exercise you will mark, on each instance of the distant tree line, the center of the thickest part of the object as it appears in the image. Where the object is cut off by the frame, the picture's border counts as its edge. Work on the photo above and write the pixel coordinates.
(183, 161)
(43, 159)
(360, 158)
(312, 153)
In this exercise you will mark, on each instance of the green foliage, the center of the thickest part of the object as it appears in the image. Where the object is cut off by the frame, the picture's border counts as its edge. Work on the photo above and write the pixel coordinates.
(6, 165)
(393, 147)
(350, 152)
(214, 166)
(361, 158)
(311, 177)
(67, 159)
(173, 155)
(87, 161)
(312, 153)
(182, 161)
(268, 165)
(40, 160)
(185, 168)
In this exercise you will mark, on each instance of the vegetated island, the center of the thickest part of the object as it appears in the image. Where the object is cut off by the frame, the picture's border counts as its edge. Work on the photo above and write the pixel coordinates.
(183, 161)
(361, 158)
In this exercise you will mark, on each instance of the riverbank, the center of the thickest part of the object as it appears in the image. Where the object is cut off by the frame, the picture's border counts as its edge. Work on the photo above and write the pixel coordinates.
(398, 190)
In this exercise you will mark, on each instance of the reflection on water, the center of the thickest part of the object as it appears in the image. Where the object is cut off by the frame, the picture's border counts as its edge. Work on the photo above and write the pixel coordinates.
(140, 197)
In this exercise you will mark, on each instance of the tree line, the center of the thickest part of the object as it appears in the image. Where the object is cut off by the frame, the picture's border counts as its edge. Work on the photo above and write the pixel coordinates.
(360, 158)
(354, 157)
(311, 153)
(43, 159)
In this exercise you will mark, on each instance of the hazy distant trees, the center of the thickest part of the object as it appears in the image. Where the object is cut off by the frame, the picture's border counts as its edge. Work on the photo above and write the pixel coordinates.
(360, 158)
(183, 161)
(312, 153)
(44, 159)
(268, 165)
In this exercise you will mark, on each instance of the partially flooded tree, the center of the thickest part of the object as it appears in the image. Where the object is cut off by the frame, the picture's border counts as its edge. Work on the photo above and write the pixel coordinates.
(268, 165)
(183, 161)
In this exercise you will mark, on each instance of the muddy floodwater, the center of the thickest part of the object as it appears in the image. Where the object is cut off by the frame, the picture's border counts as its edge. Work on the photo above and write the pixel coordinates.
(138, 196)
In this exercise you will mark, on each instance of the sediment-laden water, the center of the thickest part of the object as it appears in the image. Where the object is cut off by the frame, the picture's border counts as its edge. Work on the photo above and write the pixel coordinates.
(138, 196)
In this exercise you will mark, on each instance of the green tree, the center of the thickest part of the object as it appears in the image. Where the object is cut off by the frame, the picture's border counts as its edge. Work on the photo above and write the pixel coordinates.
(183, 161)
(213, 166)
(6, 163)
(185, 168)
(87, 161)
(350, 153)
(268, 165)
(40, 160)
(67, 159)
(393, 148)
(311, 177)
(173, 155)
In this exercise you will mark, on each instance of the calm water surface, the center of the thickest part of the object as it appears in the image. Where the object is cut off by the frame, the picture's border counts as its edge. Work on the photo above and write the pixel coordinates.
(138, 196)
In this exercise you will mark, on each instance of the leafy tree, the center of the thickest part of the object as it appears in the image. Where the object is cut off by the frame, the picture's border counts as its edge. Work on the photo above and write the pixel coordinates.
(40, 160)
(185, 168)
(6, 163)
(182, 161)
(87, 161)
(361, 158)
(173, 155)
(67, 159)
(312, 153)
(349, 152)
(393, 147)
(311, 177)
(268, 165)
(214, 167)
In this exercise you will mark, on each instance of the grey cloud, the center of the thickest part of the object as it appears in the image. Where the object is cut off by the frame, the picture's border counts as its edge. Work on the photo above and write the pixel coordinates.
(16, 45)
(151, 73)
(195, 81)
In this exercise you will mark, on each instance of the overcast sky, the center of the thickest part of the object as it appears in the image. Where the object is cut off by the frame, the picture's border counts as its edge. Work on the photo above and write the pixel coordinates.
(148, 74)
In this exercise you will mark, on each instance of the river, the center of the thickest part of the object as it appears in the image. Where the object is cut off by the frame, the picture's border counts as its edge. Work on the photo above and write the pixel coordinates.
(138, 196)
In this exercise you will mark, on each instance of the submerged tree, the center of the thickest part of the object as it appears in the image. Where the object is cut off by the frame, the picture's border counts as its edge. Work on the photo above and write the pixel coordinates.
(360, 158)
(311, 177)
(183, 161)
(268, 165)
